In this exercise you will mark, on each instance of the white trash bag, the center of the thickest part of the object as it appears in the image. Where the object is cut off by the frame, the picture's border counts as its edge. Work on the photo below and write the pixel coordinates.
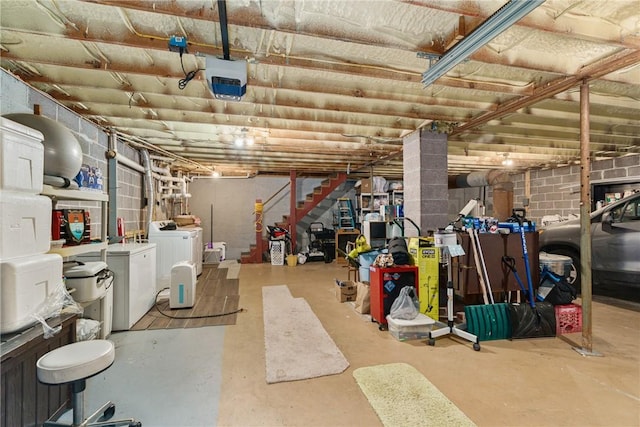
(406, 306)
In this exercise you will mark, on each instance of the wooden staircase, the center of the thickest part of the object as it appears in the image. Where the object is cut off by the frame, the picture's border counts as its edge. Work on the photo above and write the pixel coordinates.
(297, 212)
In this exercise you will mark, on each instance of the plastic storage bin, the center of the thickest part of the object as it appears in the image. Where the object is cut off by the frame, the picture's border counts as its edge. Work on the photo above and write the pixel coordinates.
(21, 157)
(26, 283)
(366, 259)
(568, 319)
(558, 264)
(277, 252)
(25, 224)
(414, 329)
(215, 252)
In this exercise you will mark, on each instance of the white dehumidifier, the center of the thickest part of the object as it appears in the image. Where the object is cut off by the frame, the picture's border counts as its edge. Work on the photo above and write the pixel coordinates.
(183, 285)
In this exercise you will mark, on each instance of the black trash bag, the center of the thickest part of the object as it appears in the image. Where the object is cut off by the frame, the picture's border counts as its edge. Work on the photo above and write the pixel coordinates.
(562, 293)
(529, 322)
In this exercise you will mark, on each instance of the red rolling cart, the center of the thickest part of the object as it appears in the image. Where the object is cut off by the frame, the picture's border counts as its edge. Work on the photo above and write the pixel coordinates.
(385, 286)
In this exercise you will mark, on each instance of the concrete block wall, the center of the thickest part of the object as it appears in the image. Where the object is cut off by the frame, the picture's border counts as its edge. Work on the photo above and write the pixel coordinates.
(557, 191)
(18, 97)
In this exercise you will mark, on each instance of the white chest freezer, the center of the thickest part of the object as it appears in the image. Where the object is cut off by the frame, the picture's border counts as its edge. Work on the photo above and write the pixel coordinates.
(134, 280)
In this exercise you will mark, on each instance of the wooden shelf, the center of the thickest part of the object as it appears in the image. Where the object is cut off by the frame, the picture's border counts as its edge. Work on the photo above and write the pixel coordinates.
(63, 194)
(78, 250)
(57, 194)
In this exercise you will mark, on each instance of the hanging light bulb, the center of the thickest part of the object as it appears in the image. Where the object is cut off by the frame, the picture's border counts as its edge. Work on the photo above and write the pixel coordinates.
(507, 161)
(244, 139)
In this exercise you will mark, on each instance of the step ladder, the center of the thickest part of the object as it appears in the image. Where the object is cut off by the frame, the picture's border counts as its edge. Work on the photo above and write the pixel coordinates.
(346, 214)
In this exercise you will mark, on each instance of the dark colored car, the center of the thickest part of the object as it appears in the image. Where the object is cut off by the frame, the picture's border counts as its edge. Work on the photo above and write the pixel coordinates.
(615, 243)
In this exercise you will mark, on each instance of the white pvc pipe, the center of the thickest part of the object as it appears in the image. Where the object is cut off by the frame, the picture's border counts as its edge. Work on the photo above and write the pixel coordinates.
(163, 171)
(161, 174)
(58, 181)
(176, 196)
(129, 163)
(161, 158)
(220, 177)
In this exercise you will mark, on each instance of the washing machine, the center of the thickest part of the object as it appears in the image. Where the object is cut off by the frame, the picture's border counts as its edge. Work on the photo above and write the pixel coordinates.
(173, 245)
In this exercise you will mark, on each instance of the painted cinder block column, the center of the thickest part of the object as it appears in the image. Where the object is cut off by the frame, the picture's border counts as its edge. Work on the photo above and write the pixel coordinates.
(426, 194)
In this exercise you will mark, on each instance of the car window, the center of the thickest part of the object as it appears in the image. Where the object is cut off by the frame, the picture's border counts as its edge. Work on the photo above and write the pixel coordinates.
(628, 212)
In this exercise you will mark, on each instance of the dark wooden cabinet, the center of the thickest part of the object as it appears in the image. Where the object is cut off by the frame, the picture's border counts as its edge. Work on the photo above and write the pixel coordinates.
(494, 247)
(25, 401)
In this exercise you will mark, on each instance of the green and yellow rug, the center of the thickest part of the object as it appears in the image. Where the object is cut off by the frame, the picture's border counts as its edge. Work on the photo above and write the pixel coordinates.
(402, 396)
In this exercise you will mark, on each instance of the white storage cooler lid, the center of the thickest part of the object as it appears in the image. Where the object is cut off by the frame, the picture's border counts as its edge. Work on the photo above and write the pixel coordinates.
(21, 157)
(86, 269)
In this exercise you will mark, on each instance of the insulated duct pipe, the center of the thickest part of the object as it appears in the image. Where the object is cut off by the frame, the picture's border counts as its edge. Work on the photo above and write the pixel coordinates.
(148, 181)
(479, 179)
(501, 185)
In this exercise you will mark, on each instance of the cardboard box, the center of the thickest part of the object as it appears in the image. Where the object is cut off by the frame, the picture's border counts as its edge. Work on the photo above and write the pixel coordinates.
(426, 257)
(346, 291)
(366, 185)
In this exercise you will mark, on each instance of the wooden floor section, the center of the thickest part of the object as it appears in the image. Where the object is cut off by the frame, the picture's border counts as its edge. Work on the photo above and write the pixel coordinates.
(215, 295)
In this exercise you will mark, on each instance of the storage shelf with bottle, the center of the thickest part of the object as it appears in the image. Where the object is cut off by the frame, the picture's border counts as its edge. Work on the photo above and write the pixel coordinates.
(370, 203)
(397, 200)
(58, 194)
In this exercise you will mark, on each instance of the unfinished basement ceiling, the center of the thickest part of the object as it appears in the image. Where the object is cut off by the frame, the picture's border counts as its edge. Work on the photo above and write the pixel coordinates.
(334, 85)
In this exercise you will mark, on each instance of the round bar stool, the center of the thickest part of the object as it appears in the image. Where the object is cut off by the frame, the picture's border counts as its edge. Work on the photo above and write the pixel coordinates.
(73, 364)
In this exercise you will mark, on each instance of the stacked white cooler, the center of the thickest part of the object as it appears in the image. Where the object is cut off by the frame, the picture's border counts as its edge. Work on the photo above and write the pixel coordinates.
(28, 273)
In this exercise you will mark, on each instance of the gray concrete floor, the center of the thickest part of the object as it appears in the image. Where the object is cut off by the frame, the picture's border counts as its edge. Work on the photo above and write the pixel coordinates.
(164, 378)
(216, 376)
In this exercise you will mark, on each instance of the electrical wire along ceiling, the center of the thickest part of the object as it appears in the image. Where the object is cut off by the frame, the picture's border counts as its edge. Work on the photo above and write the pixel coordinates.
(333, 85)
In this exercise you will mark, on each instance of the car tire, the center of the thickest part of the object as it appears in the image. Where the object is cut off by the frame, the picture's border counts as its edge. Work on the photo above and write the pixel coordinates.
(574, 275)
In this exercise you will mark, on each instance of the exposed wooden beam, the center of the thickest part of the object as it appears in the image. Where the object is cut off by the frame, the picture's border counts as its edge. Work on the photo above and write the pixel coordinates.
(605, 66)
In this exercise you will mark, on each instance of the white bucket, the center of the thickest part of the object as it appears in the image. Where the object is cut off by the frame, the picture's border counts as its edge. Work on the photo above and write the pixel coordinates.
(445, 238)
